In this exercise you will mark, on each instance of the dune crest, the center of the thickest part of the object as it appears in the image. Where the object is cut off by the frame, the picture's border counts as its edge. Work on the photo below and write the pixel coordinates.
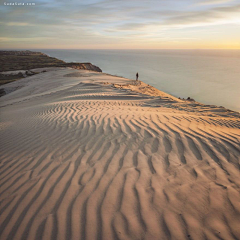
(85, 155)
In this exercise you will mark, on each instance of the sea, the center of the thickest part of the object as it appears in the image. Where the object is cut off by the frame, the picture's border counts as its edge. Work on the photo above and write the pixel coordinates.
(208, 76)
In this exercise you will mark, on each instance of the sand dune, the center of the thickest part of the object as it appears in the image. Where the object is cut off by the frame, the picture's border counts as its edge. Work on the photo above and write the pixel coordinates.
(86, 155)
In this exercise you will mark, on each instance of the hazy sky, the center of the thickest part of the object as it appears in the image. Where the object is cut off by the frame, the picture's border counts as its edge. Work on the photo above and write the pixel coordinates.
(120, 24)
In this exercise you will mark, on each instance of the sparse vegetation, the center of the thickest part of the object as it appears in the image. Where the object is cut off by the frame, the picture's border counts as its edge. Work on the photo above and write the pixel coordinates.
(26, 60)
(19, 60)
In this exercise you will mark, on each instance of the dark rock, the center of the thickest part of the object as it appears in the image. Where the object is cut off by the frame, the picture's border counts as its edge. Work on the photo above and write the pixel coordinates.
(2, 92)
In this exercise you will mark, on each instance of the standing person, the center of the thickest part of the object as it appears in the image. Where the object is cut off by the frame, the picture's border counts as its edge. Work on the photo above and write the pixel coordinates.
(137, 76)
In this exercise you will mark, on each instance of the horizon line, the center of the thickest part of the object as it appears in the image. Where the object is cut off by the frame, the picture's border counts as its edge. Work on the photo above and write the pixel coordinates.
(2, 49)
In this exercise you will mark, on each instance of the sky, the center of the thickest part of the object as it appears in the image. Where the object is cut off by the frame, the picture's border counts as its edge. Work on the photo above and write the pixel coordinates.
(120, 24)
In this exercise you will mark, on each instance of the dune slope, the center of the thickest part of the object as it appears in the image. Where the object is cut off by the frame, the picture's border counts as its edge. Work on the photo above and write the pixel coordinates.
(86, 155)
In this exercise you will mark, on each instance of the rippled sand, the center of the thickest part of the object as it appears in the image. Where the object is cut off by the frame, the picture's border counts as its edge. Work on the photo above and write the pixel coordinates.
(87, 155)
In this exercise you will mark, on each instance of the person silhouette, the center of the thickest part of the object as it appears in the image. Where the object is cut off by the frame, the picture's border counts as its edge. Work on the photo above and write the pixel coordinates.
(136, 76)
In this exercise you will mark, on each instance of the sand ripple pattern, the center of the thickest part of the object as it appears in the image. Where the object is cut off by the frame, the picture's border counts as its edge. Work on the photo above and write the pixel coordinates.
(89, 163)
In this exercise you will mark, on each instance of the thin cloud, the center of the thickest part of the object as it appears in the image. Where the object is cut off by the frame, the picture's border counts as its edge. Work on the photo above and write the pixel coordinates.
(216, 15)
(214, 2)
(19, 24)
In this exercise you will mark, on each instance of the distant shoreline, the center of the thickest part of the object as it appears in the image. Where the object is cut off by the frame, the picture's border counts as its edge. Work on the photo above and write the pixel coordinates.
(44, 60)
(27, 60)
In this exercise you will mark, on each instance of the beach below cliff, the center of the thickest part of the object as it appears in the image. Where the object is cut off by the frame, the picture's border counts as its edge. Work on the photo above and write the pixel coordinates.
(87, 155)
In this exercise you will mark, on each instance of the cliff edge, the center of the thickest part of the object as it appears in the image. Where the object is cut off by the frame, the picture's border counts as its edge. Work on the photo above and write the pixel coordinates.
(15, 65)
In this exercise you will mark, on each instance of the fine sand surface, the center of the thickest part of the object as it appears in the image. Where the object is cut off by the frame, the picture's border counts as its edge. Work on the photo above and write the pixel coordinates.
(86, 155)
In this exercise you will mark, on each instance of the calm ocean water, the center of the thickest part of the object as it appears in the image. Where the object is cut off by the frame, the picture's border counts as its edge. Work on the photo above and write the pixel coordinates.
(208, 76)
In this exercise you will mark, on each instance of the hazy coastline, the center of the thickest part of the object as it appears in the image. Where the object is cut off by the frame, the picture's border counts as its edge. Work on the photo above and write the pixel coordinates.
(208, 76)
